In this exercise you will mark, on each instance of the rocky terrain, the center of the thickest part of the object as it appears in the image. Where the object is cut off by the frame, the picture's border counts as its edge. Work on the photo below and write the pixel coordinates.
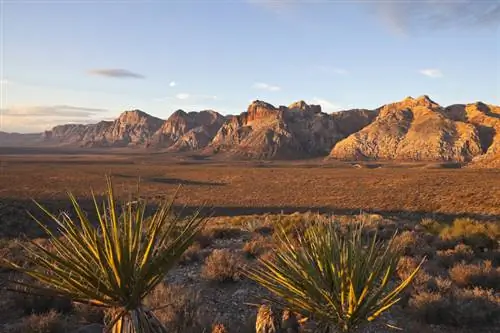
(414, 129)
(297, 131)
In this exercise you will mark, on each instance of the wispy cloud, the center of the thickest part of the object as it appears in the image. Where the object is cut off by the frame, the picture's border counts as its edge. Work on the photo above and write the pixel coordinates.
(432, 73)
(172, 84)
(265, 86)
(182, 96)
(188, 97)
(39, 118)
(326, 105)
(51, 111)
(116, 73)
(408, 16)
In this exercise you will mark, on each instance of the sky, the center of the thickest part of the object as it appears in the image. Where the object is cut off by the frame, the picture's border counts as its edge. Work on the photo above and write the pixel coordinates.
(81, 61)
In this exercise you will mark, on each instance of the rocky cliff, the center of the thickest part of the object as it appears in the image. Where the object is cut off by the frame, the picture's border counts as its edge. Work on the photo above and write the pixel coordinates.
(297, 131)
(413, 129)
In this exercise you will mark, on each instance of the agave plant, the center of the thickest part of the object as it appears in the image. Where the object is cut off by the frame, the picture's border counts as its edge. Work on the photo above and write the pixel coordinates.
(112, 263)
(338, 278)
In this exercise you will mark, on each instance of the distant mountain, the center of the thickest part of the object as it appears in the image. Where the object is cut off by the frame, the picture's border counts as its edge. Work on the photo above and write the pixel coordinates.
(486, 118)
(414, 129)
(188, 131)
(18, 139)
(297, 131)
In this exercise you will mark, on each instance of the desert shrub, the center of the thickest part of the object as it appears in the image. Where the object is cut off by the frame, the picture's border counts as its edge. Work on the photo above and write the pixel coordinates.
(192, 254)
(461, 252)
(479, 275)
(478, 235)
(219, 328)
(89, 313)
(50, 322)
(431, 226)
(472, 308)
(222, 265)
(38, 304)
(257, 247)
(407, 241)
(339, 277)
(177, 307)
(125, 252)
(222, 233)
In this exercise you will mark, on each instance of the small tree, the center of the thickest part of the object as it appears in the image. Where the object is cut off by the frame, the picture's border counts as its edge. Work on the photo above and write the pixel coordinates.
(338, 278)
(112, 263)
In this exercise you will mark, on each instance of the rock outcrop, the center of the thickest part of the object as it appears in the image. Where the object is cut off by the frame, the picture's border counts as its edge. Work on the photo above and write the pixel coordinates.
(413, 129)
(486, 118)
(188, 131)
(182, 131)
(131, 128)
(297, 131)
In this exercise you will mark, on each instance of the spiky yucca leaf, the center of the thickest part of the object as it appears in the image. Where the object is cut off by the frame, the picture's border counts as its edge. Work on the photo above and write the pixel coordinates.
(338, 278)
(114, 262)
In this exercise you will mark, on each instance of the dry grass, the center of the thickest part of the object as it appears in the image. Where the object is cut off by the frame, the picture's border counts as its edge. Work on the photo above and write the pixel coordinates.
(480, 275)
(223, 266)
(177, 308)
(50, 322)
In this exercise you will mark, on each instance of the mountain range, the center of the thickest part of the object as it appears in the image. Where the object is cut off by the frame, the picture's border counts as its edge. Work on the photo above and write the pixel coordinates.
(414, 129)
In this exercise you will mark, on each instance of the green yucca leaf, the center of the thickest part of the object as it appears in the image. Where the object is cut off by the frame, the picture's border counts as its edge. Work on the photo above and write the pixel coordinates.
(112, 262)
(339, 278)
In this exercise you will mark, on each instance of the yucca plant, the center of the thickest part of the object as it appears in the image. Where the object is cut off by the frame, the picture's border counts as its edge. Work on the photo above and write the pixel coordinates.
(338, 278)
(114, 262)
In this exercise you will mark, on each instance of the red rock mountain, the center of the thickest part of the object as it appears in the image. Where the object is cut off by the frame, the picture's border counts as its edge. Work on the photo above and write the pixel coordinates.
(297, 131)
(413, 129)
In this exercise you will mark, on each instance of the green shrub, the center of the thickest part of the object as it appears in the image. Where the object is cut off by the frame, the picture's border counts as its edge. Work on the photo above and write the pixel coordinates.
(478, 235)
(334, 274)
(113, 262)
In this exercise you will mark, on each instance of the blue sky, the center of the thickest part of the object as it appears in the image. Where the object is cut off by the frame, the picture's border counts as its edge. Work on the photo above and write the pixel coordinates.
(86, 60)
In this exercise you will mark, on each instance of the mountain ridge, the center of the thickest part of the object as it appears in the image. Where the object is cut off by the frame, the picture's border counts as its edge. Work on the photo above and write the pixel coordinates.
(413, 129)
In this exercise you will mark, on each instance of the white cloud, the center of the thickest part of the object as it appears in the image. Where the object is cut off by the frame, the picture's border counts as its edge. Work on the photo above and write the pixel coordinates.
(266, 86)
(326, 105)
(172, 84)
(39, 118)
(182, 96)
(432, 73)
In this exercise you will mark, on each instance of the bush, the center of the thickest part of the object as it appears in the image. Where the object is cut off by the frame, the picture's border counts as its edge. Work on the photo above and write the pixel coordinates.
(481, 275)
(37, 304)
(461, 252)
(192, 254)
(479, 235)
(176, 307)
(50, 322)
(431, 226)
(223, 266)
(257, 247)
(458, 308)
(222, 233)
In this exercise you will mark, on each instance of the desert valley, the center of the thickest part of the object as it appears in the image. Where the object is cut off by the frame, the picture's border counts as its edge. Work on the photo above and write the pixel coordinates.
(414, 166)
(249, 166)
